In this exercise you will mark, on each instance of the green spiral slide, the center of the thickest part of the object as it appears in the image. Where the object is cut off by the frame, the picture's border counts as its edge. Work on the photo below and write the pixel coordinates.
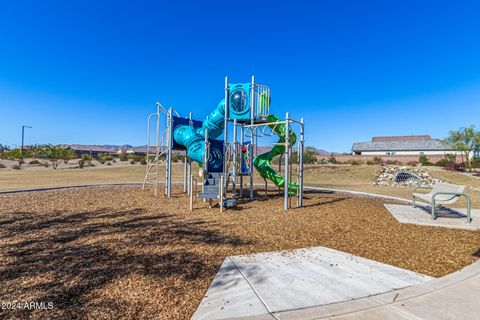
(262, 162)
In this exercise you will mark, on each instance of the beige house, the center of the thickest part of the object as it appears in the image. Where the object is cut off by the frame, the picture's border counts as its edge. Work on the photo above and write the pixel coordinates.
(402, 145)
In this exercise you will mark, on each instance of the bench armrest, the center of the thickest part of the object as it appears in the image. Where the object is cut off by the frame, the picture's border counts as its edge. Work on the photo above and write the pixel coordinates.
(421, 187)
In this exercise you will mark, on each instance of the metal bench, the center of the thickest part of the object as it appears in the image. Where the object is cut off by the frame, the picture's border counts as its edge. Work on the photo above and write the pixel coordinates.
(442, 194)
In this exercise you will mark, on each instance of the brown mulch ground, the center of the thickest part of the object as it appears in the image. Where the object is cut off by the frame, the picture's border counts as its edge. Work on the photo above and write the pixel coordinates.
(118, 252)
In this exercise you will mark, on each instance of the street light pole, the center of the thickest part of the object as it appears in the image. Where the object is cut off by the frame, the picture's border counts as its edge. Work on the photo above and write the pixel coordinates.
(23, 136)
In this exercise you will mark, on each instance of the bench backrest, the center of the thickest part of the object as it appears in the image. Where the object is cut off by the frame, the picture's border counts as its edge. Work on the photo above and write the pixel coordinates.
(446, 187)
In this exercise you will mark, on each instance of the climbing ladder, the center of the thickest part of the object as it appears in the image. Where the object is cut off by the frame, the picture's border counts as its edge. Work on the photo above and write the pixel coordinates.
(155, 149)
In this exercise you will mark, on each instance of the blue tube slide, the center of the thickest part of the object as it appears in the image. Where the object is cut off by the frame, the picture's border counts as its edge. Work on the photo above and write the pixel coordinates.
(194, 139)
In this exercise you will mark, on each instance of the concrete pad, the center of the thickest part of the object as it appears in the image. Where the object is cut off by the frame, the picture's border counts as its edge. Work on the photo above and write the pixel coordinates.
(318, 276)
(446, 217)
(229, 296)
(298, 279)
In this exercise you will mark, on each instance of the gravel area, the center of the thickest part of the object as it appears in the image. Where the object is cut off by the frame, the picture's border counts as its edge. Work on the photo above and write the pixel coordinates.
(118, 252)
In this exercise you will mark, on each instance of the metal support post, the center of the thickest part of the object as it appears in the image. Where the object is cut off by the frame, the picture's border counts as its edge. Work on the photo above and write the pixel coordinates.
(235, 164)
(252, 142)
(225, 126)
(300, 161)
(287, 161)
(191, 193)
(241, 161)
(206, 156)
(250, 167)
(189, 161)
(185, 173)
(168, 174)
(222, 190)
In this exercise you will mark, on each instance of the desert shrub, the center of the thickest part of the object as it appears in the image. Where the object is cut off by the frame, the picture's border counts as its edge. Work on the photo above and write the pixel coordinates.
(2, 166)
(143, 161)
(423, 159)
(354, 162)
(87, 160)
(45, 164)
(109, 163)
(34, 161)
(377, 160)
(16, 155)
(81, 163)
(55, 154)
(123, 157)
(449, 162)
(322, 161)
(310, 155)
(101, 161)
(370, 162)
(16, 167)
(412, 163)
(132, 161)
(332, 159)
(104, 157)
(113, 160)
(176, 157)
(393, 162)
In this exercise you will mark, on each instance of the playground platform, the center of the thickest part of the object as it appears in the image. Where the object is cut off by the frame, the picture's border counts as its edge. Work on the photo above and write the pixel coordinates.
(445, 217)
(266, 284)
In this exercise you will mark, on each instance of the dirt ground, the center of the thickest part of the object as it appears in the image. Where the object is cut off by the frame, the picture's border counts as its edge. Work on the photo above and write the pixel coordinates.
(119, 252)
(359, 178)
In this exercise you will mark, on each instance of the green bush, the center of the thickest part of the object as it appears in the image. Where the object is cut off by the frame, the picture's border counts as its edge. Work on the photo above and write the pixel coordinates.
(123, 157)
(143, 161)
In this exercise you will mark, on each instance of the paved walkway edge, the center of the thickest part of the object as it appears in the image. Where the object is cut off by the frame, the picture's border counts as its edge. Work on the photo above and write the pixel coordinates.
(375, 195)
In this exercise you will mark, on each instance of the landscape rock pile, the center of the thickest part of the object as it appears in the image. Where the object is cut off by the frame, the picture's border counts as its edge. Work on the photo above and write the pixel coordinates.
(404, 176)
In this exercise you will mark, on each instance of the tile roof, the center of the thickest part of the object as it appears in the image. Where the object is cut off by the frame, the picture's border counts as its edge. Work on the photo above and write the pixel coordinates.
(406, 145)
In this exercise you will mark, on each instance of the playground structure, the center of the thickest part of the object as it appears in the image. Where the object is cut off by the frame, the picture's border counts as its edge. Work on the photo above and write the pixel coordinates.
(243, 117)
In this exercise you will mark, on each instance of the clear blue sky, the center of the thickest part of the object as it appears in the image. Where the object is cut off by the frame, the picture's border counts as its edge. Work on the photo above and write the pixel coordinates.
(90, 71)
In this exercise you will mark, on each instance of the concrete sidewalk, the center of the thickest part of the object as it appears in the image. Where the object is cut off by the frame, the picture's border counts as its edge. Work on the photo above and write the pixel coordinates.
(455, 296)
